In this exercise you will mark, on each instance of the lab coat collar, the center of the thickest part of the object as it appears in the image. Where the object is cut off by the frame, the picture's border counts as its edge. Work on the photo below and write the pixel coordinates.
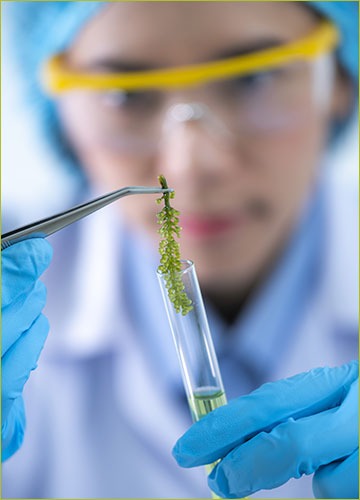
(263, 333)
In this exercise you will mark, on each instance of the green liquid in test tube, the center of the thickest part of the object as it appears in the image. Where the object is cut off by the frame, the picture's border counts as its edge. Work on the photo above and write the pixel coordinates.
(195, 349)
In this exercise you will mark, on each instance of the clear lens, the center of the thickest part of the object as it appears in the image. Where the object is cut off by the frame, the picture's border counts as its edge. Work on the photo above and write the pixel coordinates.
(268, 102)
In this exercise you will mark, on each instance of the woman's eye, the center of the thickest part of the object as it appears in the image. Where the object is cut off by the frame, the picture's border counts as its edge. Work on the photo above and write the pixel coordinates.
(256, 80)
(140, 102)
(119, 98)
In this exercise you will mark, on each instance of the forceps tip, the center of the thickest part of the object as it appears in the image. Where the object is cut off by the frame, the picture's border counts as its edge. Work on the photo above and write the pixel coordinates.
(154, 190)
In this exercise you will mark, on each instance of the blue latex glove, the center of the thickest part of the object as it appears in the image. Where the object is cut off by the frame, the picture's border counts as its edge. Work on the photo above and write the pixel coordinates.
(24, 330)
(300, 425)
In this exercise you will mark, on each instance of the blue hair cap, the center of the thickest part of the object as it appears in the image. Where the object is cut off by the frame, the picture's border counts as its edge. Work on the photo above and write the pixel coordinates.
(37, 30)
(345, 15)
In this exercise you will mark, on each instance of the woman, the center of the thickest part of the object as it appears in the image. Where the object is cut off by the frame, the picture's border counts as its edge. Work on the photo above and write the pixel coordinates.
(245, 153)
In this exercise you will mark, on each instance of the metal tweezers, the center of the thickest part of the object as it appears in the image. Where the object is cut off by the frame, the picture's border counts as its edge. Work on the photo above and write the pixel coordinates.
(44, 227)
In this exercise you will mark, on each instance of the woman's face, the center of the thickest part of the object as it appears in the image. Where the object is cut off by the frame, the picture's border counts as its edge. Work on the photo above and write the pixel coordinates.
(239, 195)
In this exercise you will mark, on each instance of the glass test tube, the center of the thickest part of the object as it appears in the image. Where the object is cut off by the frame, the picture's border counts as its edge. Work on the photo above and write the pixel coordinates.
(195, 349)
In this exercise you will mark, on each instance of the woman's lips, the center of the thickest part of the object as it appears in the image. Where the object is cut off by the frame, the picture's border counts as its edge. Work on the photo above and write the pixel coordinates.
(209, 226)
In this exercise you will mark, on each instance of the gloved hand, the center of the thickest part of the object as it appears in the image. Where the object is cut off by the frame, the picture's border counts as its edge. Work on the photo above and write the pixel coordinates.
(24, 330)
(300, 425)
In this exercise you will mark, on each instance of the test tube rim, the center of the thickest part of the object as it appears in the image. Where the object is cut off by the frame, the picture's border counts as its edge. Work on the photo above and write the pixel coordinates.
(188, 262)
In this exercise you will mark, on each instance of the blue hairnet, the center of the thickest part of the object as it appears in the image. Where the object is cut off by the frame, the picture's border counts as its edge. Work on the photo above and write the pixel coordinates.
(36, 30)
(346, 16)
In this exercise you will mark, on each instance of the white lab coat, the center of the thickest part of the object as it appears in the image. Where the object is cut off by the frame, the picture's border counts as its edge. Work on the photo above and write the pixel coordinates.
(101, 420)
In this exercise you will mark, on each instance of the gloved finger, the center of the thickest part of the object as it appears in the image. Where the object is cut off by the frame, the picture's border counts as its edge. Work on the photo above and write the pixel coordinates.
(18, 316)
(223, 429)
(12, 429)
(339, 479)
(291, 449)
(20, 359)
(22, 264)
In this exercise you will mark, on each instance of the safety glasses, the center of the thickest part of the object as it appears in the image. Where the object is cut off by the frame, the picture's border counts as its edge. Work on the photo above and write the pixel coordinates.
(58, 78)
(267, 92)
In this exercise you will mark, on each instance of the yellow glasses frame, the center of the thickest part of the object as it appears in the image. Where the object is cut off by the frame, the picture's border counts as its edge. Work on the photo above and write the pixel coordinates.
(57, 78)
